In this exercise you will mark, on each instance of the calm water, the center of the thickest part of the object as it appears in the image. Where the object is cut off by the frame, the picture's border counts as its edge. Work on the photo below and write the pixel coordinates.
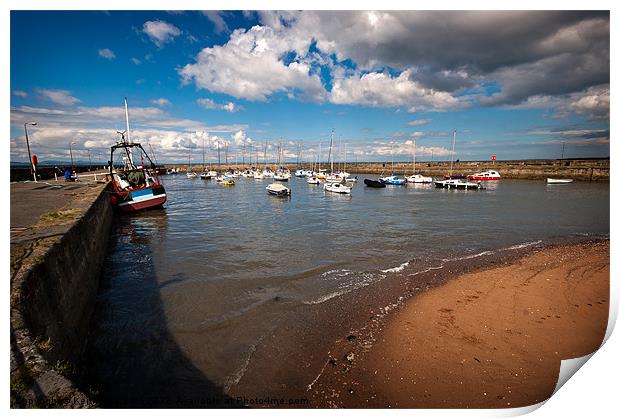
(198, 298)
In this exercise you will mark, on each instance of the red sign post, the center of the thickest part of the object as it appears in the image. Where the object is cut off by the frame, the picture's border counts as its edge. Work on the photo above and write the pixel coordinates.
(493, 158)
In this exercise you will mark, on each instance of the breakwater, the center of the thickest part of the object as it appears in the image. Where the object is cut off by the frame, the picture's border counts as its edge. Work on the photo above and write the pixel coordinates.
(578, 169)
(55, 269)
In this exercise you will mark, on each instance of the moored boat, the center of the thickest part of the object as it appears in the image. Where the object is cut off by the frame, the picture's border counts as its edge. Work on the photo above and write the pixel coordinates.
(313, 180)
(278, 189)
(417, 178)
(136, 187)
(392, 180)
(457, 184)
(558, 181)
(488, 175)
(374, 183)
(337, 187)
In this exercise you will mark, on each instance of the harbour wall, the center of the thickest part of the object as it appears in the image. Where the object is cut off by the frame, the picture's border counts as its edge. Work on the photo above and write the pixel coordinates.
(54, 282)
(578, 169)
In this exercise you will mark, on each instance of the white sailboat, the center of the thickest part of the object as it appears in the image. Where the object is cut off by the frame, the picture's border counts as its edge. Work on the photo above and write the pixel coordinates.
(190, 173)
(416, 177)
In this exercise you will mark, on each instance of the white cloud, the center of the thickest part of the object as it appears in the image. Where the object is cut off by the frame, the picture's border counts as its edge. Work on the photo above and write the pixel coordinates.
(160, 32)
(20, 93)
(59, 96)
(249, 66)
(161, 102)
(381, 89)
(418, 122)
(207, 103)
(218, 21)
(136, 61)
(106, 53)
(211, 104)
(95, 128)
(231, 107)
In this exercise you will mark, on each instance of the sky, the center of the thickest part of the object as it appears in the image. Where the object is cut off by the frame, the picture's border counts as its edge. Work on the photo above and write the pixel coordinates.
(518, 85)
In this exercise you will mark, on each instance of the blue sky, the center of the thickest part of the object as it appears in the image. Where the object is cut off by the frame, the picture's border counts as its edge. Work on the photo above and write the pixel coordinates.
(380, 79)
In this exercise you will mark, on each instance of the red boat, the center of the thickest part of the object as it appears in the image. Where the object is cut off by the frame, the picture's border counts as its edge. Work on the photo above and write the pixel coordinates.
(488, 175)
(136, 187)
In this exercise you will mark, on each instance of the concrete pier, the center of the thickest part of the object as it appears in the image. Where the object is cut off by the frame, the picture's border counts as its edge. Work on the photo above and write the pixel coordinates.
(59, 237)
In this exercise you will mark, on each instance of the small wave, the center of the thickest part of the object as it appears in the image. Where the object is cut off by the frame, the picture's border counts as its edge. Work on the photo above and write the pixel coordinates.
(523, 245)
(336, 273)
(357, 282)
(423, 271)
(477, 255)
(397, 268)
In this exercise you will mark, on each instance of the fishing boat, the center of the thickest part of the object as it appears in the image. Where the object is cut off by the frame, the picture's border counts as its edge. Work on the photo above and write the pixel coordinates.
(558, 181)
(374, 183)
(313, 180)
(136, 187)
(228, 181)
(457, 184)
(488, 175)
(191, 175)
(392, 180)
(278, 189)
(300, 172)
(337, 187)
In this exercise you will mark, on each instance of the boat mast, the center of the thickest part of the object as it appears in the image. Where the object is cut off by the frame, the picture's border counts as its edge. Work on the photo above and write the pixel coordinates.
(203, 155)
(128, 139)
(344, 169)
(452, 155)
(331, 159)
(318, 159)
(219, 156)
(414, 151)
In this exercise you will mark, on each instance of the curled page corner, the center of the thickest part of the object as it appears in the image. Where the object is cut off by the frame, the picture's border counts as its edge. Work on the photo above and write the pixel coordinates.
(568, 367)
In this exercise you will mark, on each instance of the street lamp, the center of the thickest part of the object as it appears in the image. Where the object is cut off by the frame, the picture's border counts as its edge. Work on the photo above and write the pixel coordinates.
(71, 153)
(33, 169)
(89, 161)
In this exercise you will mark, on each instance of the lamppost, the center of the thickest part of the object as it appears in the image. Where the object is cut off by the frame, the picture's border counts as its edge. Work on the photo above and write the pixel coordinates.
(89, 161)
(33, 169)
(71, 153)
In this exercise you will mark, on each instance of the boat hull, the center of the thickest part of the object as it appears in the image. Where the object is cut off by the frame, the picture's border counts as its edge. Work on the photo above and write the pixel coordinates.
(140, 201)
(457, 185)
(373, 183)
(559, 181)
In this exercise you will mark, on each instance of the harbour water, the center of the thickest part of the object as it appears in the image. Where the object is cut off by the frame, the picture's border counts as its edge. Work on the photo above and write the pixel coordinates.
(229, 291)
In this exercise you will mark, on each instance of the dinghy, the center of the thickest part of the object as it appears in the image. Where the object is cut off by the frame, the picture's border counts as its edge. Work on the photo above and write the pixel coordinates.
(374, 183)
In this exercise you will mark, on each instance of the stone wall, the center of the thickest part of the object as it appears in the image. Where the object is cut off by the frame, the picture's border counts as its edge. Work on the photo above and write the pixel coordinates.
(53, 290)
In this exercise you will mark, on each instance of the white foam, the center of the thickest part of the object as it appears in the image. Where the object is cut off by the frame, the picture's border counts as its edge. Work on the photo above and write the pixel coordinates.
(432, 268)
(523, 245)
(397, 268)
(477, 255)
(357, 282)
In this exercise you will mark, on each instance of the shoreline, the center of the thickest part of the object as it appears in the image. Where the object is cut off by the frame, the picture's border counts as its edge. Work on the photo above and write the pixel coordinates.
(429, 347)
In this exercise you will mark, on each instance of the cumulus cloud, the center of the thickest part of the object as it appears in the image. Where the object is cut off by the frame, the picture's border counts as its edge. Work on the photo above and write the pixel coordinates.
(249, 66)
(382, 89)
(160, 32)
(161, 102)
(106, 53)
(59, 96)
(95, 128)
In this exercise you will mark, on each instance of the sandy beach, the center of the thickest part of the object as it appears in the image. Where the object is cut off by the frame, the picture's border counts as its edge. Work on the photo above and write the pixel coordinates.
(491, 338)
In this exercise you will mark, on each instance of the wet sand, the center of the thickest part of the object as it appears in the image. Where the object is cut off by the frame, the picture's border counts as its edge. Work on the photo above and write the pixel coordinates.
(486, 339)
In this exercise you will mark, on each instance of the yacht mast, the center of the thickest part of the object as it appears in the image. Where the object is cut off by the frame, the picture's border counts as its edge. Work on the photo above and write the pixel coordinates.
(452, 155)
